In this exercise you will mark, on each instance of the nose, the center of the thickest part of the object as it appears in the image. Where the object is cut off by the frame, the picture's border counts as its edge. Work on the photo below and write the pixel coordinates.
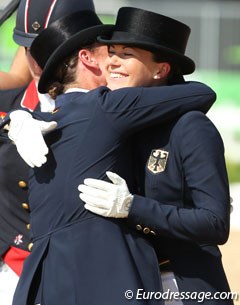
(114, 60)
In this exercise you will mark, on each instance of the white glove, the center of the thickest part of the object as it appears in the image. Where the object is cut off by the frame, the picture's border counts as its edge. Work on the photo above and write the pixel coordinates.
(27, 134)
(105, 198)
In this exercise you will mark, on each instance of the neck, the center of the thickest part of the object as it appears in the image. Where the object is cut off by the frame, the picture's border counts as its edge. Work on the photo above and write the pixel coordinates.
(90, 81)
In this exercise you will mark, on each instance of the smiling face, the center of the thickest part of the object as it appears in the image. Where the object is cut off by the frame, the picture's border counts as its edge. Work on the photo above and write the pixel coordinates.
(130, 67)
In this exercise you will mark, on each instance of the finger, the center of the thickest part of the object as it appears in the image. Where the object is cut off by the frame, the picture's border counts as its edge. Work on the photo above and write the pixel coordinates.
(37, 146)
(46, 127)
(96, 210)
(31, 156)
(86, 189)
(99, 184)
(93, 201)
(42, 147)
(115, 178)
(92, 191)
(36, 151)
(35, 162)
(33, 142)
(38, 162)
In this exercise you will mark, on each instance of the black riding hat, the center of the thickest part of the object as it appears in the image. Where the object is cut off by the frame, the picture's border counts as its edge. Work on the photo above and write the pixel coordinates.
(153, 32)
(64, 37)
(34, 16)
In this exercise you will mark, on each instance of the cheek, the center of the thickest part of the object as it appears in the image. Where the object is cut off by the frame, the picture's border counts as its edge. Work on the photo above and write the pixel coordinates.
(142, 77)
(103, 54)
(107, 62)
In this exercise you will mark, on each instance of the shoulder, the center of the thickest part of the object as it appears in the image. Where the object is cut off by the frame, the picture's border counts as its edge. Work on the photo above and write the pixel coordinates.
(195, 126)
(195, 119)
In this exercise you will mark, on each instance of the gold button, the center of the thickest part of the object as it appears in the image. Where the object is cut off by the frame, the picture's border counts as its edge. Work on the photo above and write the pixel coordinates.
(153, 233)
(22, 184)
(28, 226)
(30, 246)
(25, 206)
(139, 227)
(146, 230)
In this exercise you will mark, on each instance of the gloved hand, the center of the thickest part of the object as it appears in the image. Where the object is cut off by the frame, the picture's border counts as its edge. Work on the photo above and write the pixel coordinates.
(27, 134)
(105, 198)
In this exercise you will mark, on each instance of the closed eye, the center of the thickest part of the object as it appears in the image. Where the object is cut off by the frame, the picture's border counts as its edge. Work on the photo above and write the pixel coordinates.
(110, 53)
(127, 54)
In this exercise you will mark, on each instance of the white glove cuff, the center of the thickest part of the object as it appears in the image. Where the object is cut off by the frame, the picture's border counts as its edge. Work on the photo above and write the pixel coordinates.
(127, 202)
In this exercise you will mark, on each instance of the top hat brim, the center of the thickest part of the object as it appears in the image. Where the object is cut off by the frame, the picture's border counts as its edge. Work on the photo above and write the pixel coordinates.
(186, 64)
(81, 39)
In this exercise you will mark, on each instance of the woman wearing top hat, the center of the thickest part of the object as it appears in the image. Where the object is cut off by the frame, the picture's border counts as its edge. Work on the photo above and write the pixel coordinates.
(179, 166)
(85, 258)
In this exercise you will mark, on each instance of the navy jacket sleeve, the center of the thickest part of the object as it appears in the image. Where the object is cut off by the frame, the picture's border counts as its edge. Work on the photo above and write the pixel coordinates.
(200, 155)
(132, 109)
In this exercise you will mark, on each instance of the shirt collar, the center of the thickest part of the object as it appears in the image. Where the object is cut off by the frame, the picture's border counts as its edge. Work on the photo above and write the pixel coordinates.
(76, 90)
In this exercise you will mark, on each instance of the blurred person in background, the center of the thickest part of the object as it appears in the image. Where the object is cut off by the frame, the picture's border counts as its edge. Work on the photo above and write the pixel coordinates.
(184, 206)
(15, 243)
(18, 75)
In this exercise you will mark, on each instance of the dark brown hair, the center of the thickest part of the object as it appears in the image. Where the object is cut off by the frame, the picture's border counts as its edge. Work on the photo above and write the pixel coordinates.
(64, 74)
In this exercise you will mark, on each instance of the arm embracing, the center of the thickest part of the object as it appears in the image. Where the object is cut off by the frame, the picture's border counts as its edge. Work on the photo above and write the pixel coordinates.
(133, 109)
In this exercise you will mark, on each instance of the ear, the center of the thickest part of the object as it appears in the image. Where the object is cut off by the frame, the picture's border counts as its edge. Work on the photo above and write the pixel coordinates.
(163, 71)
(87, 58)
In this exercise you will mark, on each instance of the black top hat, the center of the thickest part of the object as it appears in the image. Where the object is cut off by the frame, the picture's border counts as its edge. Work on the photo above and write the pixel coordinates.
(64, 37)
(34, 16)
(153, 32)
